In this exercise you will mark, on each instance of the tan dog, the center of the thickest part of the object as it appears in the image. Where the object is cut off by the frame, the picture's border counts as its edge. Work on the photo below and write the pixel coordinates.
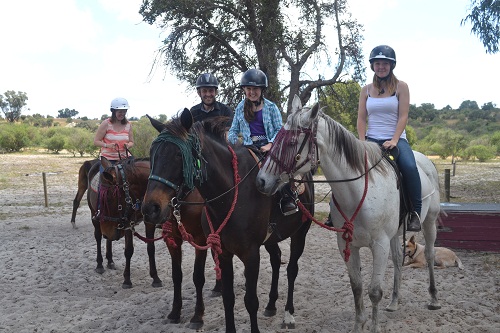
(443, 257)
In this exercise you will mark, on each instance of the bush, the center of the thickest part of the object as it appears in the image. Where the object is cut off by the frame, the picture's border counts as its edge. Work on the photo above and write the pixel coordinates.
(81, 141)
(55, 143)
(144, 134)
(14, 137)
(482, 153)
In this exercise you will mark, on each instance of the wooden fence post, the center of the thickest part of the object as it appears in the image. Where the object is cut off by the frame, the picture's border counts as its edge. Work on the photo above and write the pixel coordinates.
(45, 189)
(447, 184)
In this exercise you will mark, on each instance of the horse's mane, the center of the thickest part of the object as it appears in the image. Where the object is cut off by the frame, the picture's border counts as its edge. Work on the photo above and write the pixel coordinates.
(214, 126)
(343, 144)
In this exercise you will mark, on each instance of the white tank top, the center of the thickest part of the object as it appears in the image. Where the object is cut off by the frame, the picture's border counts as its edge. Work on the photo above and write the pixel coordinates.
(383, 114)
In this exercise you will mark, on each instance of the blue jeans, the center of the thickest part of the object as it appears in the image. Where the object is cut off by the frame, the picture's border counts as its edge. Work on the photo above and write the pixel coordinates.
(408, 168)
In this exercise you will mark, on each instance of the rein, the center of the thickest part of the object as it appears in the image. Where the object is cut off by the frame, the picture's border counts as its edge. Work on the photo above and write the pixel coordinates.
(213, 239)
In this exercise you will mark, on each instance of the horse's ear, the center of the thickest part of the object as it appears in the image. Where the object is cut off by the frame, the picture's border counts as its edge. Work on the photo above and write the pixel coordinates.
(296, 104)
(314, 111)
(105, 162)
(186, 119)
(156, 123)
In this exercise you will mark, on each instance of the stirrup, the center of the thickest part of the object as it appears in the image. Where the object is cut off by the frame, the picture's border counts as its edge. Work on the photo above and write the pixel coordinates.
(286, 211)
(414, 222)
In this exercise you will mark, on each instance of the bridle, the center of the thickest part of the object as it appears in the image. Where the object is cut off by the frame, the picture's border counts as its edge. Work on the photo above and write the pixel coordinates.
(131, 206)
(287, 137)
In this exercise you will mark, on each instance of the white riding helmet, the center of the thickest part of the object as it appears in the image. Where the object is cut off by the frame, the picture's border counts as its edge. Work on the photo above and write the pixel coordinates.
(119, 104)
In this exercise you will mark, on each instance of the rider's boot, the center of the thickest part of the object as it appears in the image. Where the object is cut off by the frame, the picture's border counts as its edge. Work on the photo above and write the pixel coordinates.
(288, 202)
(414, 223)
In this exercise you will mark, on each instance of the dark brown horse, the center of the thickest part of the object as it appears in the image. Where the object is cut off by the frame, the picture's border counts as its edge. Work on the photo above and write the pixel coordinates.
(114, 223)
(122, 189)
(238, 219)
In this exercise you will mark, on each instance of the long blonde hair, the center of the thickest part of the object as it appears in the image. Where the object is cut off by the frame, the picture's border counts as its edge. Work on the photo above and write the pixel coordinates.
(391, 82)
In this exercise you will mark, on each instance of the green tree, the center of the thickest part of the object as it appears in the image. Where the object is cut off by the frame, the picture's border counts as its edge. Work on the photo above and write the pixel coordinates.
(144, 134)
(228, 37)
(484, 15)
(468, 105)
(67, 113)
(14, 137)
(482, 153)
(341, 103)
(450, 143)
(12, 104)
(56, 143)
(80, 141)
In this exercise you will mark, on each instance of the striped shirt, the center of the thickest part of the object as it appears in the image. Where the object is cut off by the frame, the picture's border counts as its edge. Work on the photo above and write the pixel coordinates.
(112, 137)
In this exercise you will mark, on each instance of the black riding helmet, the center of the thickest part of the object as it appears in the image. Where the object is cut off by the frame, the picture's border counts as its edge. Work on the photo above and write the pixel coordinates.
(207, 80)
(383, 52)
(254, 78)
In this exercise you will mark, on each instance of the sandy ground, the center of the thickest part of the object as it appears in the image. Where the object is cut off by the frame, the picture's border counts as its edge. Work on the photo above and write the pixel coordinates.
(48, 283)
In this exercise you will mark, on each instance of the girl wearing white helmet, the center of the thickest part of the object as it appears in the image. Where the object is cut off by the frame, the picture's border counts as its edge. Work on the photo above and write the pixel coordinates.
(114, 135)
(382, 117)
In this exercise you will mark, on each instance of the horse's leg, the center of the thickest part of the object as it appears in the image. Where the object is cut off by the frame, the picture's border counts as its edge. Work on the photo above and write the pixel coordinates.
(109, 254)
(82, 188)
(98, 238)
(227, 271)
(176, 255)
(129, 252)
(355, 278)
(196, 321)
(252, 264)
(150, 234)
(380, 252)
(397, 260)
(298, 242)
(275, 258)
(429, 229)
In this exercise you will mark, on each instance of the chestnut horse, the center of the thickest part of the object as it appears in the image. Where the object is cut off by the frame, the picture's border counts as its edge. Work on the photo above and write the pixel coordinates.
(238, 219)
(122, 189)
(125, 184)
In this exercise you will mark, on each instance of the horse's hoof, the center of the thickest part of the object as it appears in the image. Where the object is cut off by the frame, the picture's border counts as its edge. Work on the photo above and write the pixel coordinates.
(288, 326)
(215, 293)
(73, 224)
(434, 306)
(157, 284)
(195, 325)
(99, 270)
(391, 308)
(111, 266)
(127, 285)
(172, 320)
(269, 312)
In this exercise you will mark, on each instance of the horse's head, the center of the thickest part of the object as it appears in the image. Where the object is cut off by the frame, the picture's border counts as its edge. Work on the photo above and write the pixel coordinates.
(122, 187)
(294, 150)
(172, 167)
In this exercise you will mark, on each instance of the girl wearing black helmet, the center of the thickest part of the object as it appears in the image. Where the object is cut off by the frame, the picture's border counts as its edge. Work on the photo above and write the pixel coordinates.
(383, 106)
(258, 120)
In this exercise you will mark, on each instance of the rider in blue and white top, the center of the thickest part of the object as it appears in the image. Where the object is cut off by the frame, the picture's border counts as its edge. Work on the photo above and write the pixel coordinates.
(258, 121)
(384, 105)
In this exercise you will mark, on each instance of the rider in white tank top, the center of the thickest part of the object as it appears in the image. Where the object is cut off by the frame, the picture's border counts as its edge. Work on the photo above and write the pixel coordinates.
(383, 117)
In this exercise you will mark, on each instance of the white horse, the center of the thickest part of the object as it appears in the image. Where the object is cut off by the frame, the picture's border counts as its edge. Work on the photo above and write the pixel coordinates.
(365, 189)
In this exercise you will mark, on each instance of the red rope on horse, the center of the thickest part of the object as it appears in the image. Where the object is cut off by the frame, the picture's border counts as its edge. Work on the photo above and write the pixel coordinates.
(167, 234)
(145, 239)
(348, 227)
(213, 239)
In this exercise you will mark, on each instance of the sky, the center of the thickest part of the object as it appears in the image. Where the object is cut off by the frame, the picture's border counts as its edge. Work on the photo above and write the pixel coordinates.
(80, 54)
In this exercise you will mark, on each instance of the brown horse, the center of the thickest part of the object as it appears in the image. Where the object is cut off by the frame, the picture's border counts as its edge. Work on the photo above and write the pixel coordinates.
(238, 219)
(83, 184)
(122, 190)
(114, 223)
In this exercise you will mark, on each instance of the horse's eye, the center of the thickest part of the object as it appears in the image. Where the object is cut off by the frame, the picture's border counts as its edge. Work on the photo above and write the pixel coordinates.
(293, 141)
